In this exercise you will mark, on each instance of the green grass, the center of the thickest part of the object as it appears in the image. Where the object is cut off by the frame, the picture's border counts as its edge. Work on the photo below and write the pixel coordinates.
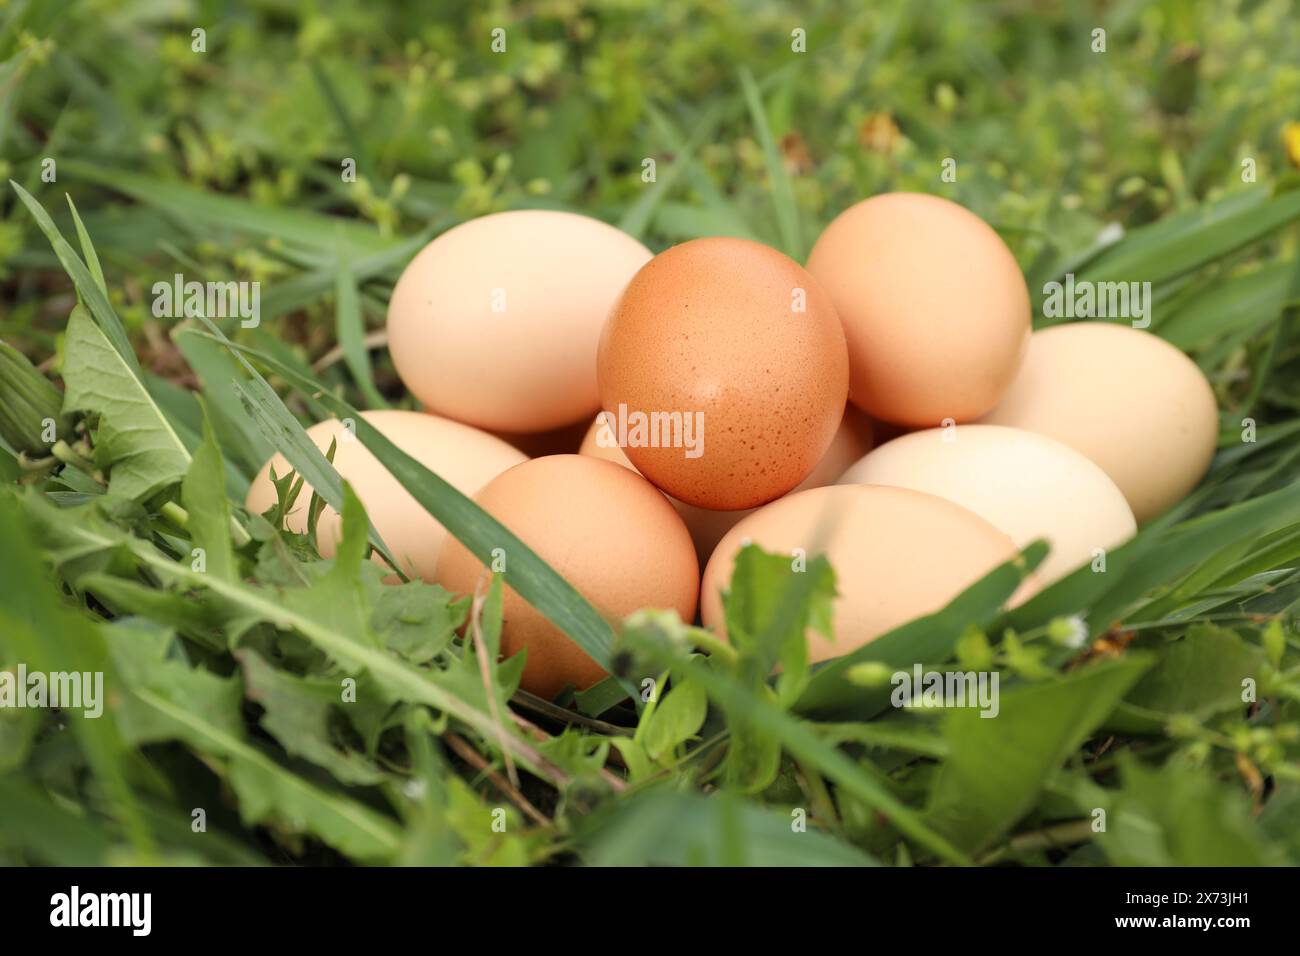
(318, 715)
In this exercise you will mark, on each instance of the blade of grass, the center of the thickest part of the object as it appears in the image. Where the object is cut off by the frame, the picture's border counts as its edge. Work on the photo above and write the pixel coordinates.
(88, 248)
(783, 201)
(87, 287)
(639, 214)
(312, 230)
(929, 639)
(1157, 253)
(351, 332)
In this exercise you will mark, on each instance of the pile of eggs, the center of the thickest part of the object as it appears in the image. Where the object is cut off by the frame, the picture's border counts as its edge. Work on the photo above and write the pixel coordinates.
(744, 397)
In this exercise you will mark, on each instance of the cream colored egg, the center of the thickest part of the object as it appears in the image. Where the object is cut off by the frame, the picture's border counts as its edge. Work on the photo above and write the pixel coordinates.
(1025, 484)
(496, 322)
(463, 456)
(1126, 399)
(934, 306)
(852, 440)
(897, 554)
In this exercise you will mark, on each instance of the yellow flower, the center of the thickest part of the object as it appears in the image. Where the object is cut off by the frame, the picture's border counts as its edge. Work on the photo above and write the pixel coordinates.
(1291, 142)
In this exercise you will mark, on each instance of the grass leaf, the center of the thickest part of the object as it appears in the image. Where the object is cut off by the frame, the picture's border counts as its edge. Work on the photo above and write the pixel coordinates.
(87, 287)
(997, 766)
(783, 201)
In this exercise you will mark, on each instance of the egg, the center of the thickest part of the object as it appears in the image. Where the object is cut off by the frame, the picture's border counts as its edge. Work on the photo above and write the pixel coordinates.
(1024, 484)
(934, 306)
(725, 370)
(897, 554)
(464, 457)
(1127, 399)
(495, 322)
(852, 440)
(606, 530)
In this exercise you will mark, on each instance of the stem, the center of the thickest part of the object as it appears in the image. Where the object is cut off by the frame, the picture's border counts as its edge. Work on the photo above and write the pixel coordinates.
(36, 464)
(70, 456)
(815, 788)
(713, 645)
(178, 516)
(461, 747)
(1048, 838)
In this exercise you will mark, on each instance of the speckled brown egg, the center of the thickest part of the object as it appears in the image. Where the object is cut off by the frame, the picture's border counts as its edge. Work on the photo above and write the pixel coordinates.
(738, 342)
(606, 530)
(934, 306)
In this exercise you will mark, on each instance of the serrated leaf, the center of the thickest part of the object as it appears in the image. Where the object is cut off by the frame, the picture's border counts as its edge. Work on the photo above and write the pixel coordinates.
(297, 714)
(80, 530)
(415, 620)
(134, 441)
(164, 699)
(203, 493)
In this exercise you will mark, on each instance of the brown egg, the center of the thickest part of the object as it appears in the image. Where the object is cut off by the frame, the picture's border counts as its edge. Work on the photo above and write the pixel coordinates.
(725, 369)
(852, 440)
(463, 456)
(934, 306)
(897, 555)
(1125, 398)
(495, 322)
(606, 530)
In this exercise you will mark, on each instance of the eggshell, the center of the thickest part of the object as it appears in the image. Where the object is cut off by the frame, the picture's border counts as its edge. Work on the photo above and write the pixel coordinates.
(897, 554)
(1024, 484)
(495, 322)
(463, 456)
(606, 530)
(852, 440)
(1125, 398)
(934, 306)
(739, 338)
